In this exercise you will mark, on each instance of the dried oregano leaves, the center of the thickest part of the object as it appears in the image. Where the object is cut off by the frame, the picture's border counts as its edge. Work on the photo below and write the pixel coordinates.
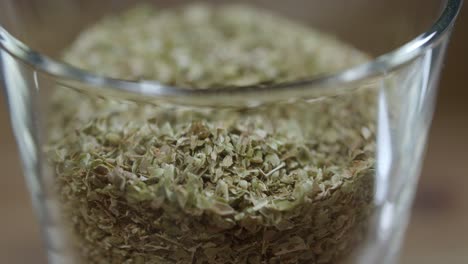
(199, 46)
(283, 183)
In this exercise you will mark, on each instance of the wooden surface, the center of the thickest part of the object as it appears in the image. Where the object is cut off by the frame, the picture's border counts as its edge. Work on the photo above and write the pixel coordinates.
(438, 232)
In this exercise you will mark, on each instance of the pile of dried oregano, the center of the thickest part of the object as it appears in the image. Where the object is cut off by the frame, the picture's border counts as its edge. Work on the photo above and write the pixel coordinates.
(145, 183)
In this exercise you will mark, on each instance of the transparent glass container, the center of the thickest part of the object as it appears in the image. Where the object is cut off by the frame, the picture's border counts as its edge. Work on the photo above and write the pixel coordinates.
(350, 183)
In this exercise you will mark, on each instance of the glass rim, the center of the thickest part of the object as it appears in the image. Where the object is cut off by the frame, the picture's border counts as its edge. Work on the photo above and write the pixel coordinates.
(70, 76)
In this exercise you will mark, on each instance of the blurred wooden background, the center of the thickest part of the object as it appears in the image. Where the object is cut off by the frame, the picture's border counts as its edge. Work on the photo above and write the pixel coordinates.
(438, 232)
